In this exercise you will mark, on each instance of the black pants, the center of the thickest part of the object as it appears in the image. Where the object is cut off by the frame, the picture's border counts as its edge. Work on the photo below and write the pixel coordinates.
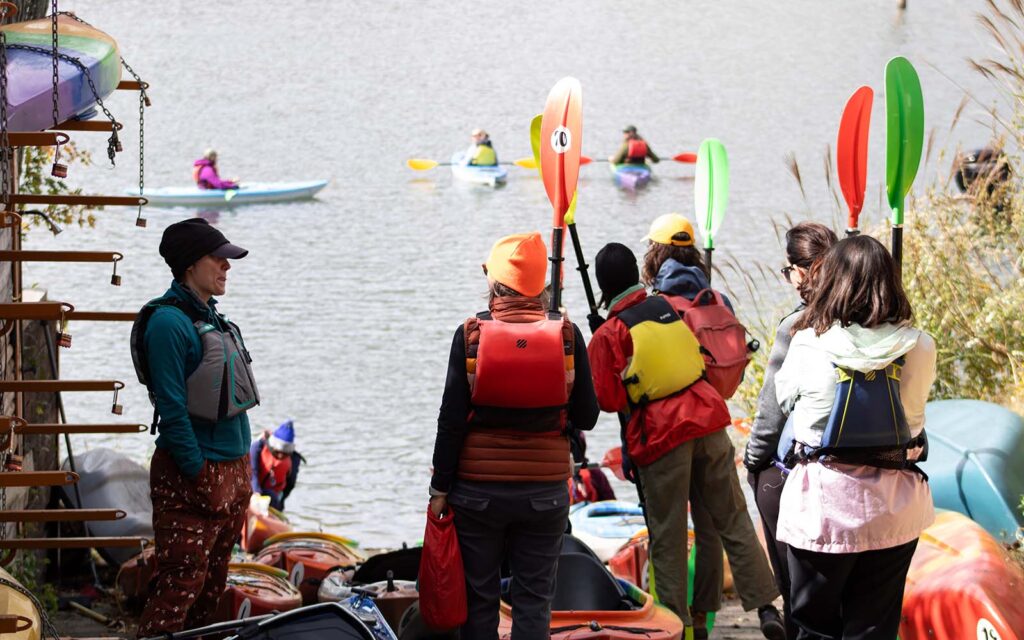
(849, 596)
(767, 485)
(524, 521)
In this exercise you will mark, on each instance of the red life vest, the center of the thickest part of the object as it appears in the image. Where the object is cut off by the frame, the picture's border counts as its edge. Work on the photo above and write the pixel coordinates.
(520, 376)
(273, 472)
(636, 150)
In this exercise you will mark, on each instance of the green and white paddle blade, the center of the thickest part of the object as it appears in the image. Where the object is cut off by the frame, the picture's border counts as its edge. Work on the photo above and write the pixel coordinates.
(535, 139)
(904, 132)
(711, 188)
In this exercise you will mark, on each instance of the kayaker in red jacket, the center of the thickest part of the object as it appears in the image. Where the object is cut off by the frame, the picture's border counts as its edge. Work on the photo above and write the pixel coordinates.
(204, 172)
(634, 149)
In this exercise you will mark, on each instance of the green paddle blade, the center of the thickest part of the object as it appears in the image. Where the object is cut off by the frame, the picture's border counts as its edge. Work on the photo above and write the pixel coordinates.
(904, 132)
(711, 188)
(535, 139)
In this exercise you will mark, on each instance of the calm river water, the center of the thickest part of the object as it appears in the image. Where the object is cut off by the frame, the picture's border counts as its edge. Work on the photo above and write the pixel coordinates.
(349, 302)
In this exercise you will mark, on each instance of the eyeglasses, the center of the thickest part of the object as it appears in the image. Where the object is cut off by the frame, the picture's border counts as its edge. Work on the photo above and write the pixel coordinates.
(787, 271)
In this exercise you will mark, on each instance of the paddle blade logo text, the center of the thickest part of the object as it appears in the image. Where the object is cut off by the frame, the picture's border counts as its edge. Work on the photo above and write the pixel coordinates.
(561, 140)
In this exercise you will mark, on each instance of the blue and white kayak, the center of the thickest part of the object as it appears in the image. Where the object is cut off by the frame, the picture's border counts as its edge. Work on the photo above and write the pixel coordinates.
(489, 176)
(631, 176)
(975, 463)
(607, 525)
(246, 193)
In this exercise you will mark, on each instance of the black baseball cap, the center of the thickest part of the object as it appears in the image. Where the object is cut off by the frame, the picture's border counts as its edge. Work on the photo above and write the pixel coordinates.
(629, 129)
(185, 242)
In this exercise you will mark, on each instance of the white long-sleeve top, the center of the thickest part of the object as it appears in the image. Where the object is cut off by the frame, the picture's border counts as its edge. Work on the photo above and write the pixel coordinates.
(841, 508)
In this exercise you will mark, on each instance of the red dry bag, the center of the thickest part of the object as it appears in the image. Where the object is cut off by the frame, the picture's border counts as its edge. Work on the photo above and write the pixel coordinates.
(442, 581)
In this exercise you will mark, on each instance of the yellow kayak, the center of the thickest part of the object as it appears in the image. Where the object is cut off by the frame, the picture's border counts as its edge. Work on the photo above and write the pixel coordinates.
(14, 603)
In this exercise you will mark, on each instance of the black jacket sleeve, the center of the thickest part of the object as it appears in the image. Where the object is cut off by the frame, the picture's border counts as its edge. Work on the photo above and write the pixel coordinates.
(583, 409)
(453, 417)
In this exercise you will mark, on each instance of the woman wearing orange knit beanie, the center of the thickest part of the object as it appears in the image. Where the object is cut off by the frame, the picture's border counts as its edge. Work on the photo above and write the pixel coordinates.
(518, 375)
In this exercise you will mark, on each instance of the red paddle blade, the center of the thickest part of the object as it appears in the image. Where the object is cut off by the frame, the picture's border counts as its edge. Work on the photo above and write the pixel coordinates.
(585, 160)
(852, 151)
(690, 158)
(613, 460)
(561, 138)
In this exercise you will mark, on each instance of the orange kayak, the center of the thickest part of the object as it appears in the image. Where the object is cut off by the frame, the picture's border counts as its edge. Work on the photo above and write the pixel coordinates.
(257, 528)
(254, 590)
(308, 558)
(962, 584)
(591, 604)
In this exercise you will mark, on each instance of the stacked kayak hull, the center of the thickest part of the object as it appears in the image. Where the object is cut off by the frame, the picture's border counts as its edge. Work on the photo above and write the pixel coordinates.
(247, 193)
(256, 590)
(308, 558)
(976, 463)
(30, 73)
(630, 176)
(606, 526)
(488, 176)
(962, 584)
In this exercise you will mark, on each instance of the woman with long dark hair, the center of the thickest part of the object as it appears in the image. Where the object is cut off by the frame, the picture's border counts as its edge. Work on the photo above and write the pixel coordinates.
(806, 244)
(855, 503)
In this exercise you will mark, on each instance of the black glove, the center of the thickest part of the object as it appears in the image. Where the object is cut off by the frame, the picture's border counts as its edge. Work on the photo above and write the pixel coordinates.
(595, 321)
(628, 468)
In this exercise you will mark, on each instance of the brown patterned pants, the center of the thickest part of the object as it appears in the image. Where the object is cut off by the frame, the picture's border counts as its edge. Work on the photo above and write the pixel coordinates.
(196, 523)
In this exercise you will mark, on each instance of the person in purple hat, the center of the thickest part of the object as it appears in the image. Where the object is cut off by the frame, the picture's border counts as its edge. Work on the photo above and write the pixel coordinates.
(275, 464)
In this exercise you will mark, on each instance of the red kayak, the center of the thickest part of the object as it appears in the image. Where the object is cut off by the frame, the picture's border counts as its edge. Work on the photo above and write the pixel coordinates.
(308, 558)
(258, 528)
(962, 584)
(254, 590)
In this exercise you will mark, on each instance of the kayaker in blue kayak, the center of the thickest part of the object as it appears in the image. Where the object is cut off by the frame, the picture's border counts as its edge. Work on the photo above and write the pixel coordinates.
(204, 172)
(275, 464)
(634, 149)
(481, 152)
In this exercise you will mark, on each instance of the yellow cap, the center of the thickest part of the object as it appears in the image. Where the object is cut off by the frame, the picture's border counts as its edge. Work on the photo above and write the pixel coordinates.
(668, 225)
(519, 262)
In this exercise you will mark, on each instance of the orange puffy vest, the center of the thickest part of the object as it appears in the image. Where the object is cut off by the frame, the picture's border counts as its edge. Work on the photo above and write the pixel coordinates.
(520, 376)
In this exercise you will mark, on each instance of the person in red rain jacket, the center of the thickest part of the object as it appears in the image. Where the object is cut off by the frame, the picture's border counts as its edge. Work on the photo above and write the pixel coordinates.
(675, 433)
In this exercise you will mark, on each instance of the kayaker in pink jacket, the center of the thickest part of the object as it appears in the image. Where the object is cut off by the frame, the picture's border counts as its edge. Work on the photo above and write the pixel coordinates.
(204, 172)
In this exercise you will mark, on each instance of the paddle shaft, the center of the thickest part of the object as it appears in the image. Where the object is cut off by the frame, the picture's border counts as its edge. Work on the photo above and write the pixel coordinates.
(556, 268)
(897, 248)
(582, 268)
(707, 261)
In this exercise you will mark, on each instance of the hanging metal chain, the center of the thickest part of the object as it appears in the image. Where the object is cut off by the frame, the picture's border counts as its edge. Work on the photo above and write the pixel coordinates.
(139, 220)
(53, 53)
(143, 103)
(113, 143)
(6, 186)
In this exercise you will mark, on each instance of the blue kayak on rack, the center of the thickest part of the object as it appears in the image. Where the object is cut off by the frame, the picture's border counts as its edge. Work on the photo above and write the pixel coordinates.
(976, 463)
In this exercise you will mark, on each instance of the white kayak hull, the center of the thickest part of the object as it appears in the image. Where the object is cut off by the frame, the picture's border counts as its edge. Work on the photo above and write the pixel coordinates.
(487, 176)
(247, 193)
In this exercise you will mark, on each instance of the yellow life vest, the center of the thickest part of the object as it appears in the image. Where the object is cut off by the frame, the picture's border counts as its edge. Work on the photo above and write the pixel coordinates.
(666, 355)
(485, 156)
